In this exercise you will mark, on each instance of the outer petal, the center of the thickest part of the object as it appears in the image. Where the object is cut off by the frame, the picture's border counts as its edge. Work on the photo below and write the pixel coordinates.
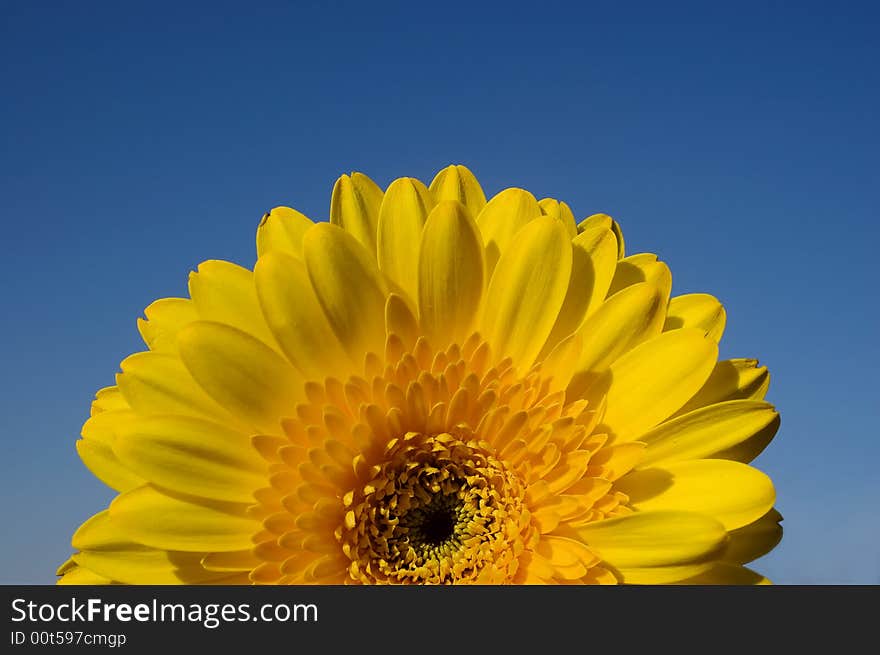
(158, 519)
(696, 310)
(108, 399)
(651, 381)
(655, 575)
(226, 293)
(622, 322)
(504, 215)
(282, 230)
(159, 383)
(594, 257)
(241, 373)
(354, 206)
(193, 456)
(733, 493)
(107, 552)
(165, 318)
(402, 216)
(722, 573)
(605, 221)
(561, 212)
(349, 288)
(648, 539)
(105, 426)
(78, 575)
(100, 459)
(731, 379)
(711, 432)
(96, 449)
(601, 247)
(643, 267)
(296, 318)
(456, 182)
(754, 540)
(527, 291)
(451, 273)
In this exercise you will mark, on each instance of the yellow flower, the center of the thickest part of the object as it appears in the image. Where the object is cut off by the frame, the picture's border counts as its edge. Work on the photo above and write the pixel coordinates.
(431, 388)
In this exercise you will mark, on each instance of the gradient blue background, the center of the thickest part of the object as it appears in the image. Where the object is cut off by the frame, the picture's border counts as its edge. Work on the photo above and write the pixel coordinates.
(740, 142)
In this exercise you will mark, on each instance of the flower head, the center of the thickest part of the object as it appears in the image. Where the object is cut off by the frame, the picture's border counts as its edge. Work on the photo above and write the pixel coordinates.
(430, 388)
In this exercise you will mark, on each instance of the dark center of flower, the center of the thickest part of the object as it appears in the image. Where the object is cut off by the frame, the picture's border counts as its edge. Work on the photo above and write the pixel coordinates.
(434, 524)
(439, 510)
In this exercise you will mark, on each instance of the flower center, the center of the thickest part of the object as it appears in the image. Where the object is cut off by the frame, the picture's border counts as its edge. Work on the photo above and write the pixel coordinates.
(440, 509)
(435, 524)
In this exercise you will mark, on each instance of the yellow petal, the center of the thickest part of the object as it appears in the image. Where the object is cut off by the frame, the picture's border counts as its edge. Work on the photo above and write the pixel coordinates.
(296, 318)
(710, 431)
(241, 578)
(722, 573)
(81, 576)
(646, 539)
(100, 459)
(450, 273)
(569, 470)
(226, 293)
(158, 519)
(618, 232)
(696, 310)
(456, 182)
(504, 215)
(349, 288)
(159, 383)
(748, 450)
(402, 216)
(533, 569)
(68, 565)
(96, 449)
(608, 223)
(594, 255)
(236, 560)
(108, 399)
(193, 456)
(754, 540)
(241, 373)
(654, 379)
(527, 291)
(354, 206)
(621, 323)
(601, 246)
(731, 379)
(147, 566)
(400, 320)
(569, 558)
(733, 493)
(165, 317)
(105, 426)
(107, 552)
(643, 267)
(560, 363)
(561, 212)
(595, 221)
(282, 230)
(661, 574)
(613, 462)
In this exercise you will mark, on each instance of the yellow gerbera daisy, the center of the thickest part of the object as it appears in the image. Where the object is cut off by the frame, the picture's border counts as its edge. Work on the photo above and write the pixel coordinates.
(430, 388)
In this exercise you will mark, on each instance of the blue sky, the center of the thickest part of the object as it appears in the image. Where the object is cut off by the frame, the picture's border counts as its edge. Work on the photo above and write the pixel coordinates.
(738, 141)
